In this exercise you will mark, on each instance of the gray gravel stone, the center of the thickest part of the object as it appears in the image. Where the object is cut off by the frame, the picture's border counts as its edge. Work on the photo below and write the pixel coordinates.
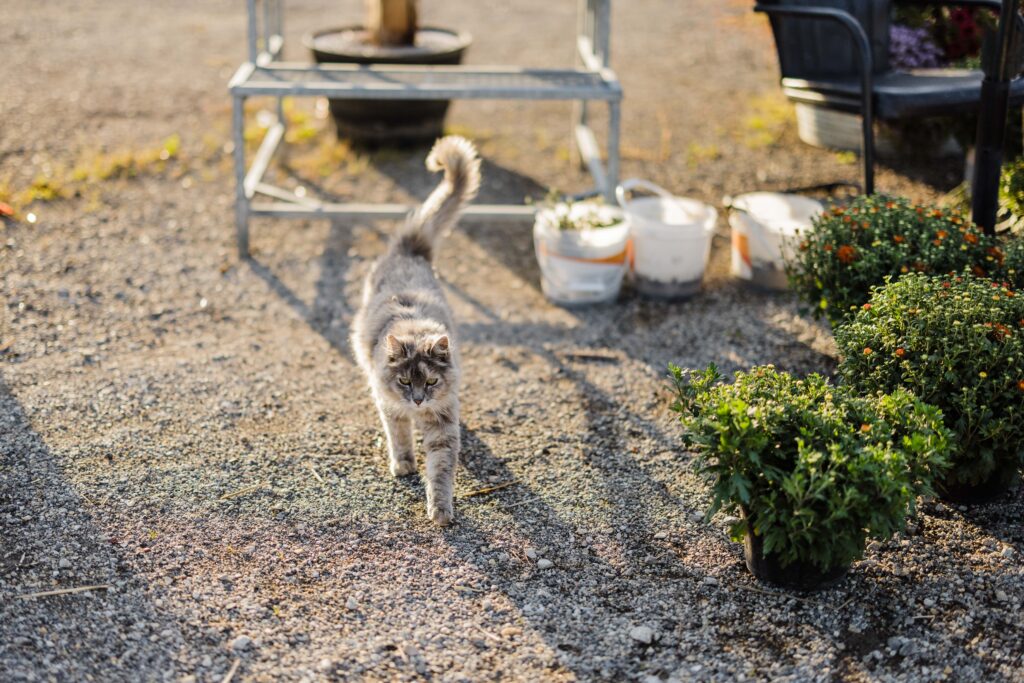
(241, 643)
(642, 634)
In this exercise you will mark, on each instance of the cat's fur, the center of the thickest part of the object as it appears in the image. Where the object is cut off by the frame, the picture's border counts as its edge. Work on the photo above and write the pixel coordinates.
(403, 335)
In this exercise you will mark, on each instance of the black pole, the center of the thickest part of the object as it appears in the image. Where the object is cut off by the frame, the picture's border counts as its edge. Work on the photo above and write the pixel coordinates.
(994, 108)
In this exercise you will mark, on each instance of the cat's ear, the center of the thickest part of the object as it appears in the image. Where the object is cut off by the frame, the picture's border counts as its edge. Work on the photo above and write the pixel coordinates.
(394, 347)
(439, 348)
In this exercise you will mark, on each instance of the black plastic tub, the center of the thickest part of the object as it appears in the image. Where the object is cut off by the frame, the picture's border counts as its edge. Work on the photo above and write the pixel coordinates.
(997, 484)
(802, 576)
(391, 122)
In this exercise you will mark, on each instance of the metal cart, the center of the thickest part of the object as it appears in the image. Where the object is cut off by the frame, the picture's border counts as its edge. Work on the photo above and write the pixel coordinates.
(263, 75)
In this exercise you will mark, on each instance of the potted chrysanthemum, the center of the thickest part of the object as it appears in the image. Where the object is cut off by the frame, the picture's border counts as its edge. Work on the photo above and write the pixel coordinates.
(813, 470)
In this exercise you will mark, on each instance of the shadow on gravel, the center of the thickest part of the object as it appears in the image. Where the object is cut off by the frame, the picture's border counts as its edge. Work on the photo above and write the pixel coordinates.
(1001, 518)
(50, 542)
(329, 311)
(602, 592)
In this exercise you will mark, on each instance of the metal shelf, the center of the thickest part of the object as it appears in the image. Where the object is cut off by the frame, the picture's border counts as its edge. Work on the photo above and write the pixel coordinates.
(264, 76)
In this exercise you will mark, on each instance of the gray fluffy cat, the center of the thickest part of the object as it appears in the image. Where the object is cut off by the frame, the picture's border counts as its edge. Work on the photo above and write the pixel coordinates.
(403, 335)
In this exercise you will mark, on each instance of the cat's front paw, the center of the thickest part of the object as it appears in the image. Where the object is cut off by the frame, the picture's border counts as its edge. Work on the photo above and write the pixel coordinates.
(441, 515)
(402, 468)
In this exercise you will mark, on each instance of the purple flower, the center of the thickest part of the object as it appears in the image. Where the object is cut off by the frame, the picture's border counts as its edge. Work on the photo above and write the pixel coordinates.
(912, 48)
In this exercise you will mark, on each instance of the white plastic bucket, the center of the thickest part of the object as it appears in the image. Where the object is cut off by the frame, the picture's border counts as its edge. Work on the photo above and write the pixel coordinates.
(765, 229)
(581, 266)
(671, 240)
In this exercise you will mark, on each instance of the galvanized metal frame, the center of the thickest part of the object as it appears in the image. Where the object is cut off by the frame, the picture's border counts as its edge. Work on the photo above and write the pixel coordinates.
(264, 75)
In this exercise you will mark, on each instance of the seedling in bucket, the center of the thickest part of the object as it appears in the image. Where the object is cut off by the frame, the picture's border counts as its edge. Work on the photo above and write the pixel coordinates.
(582, 250)
(671, 240)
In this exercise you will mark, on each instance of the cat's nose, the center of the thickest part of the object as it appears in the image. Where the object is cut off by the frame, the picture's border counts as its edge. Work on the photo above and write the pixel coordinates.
(418, 401)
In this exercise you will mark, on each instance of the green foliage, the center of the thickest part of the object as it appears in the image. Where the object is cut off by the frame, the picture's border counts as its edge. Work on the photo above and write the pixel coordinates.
(1011, 198)
(814, 469)
(957, 343)
(850, 250)
(1011, 194)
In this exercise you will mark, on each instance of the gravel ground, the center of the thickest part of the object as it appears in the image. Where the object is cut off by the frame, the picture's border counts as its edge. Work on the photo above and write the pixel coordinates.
(188, 434)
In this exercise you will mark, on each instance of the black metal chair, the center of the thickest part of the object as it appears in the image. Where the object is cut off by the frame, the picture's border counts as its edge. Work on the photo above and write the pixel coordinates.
(834, 54)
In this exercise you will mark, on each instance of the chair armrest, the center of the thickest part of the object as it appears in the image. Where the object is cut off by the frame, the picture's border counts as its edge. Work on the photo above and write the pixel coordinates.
(844, 19)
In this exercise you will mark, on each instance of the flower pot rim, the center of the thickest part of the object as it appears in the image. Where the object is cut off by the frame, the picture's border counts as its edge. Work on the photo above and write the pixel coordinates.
(368, 51)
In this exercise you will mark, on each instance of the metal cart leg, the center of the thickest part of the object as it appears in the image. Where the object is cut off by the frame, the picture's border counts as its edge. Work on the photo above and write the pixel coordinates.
(614, 116)
(241, 200)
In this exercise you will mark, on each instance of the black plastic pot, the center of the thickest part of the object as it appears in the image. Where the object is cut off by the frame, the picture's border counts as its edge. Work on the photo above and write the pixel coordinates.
(375, 122)
(998, 483)
(802, 576)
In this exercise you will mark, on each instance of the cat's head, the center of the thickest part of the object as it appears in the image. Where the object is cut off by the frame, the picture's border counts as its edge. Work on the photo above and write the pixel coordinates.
(418, 371)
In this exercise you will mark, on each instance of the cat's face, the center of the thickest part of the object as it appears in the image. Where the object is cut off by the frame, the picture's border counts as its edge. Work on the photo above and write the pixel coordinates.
(418, 372)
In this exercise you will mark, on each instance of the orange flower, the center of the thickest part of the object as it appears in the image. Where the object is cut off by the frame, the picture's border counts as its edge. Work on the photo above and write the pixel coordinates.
(971, 238)
(1001, 332)
(890, 205)
(865, 428)
(866, 307)
(900, 352)
(846, 254)
(946, 285)
(837, 211)
(942, 234)
(978, 271)
(936, 214)
(867, 351)
(847, 219)
(899, 239)
(1020, 385)
(828, 247)
(937, 243)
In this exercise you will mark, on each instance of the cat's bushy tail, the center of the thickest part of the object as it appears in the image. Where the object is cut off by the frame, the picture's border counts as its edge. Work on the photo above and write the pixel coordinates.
(457, 157)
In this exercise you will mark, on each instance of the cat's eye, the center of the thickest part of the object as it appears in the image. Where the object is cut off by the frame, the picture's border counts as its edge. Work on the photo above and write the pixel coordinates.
(404, 381)
(432, 381)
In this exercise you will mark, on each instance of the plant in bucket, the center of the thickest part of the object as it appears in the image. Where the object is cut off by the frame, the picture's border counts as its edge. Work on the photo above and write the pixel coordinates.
(582, 250)
(766, 229)
(813, 469)
(671, 239)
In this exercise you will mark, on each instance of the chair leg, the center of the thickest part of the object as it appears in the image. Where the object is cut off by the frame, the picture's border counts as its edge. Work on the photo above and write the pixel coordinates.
(868, 153)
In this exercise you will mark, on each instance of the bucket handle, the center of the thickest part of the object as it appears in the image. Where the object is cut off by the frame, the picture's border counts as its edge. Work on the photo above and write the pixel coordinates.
(637, 183)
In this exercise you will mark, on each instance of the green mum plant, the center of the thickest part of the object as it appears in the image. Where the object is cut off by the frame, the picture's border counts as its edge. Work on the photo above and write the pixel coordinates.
(813, 469)
(958, 343)
(852, 249)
